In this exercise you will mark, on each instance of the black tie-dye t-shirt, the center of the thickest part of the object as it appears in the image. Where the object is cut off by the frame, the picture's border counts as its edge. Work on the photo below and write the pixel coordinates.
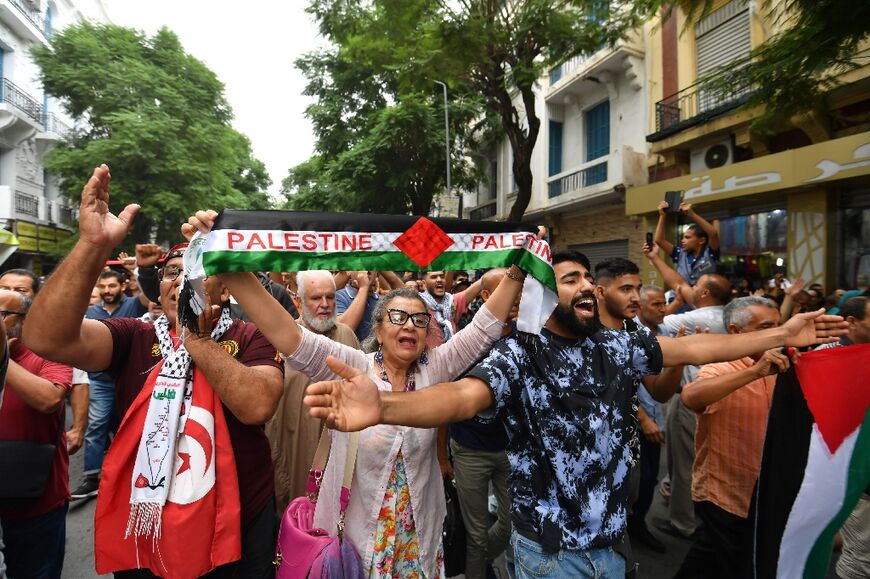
(567, 407)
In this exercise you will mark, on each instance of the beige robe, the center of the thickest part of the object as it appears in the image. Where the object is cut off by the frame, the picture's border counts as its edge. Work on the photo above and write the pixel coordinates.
(292, 432)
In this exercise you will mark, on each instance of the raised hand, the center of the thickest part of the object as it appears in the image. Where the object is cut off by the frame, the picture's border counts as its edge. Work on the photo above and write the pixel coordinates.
(97, 225)
(796, 287)
(147, 254)
(812, 328)
(202, 221)
(686, 208)
(663, 205)
(128, 262)
(350, 404)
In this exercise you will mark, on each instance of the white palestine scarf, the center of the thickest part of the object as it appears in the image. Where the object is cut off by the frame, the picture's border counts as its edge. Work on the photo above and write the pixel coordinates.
(167, 414)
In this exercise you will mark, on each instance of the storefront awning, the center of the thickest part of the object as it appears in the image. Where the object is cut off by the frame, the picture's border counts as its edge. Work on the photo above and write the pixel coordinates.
(803, 167)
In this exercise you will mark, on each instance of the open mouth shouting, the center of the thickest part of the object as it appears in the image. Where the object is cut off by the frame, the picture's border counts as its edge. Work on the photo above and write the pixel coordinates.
(584, 306)
(408, 342)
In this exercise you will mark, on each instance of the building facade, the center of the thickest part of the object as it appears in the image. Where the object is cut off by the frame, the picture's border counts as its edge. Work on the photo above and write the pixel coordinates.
(33, 216)
(591, 148)
(795, 199)
(622, 126)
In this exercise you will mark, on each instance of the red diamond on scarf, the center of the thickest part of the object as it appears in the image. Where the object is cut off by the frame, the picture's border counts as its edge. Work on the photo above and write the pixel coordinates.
(423, 242)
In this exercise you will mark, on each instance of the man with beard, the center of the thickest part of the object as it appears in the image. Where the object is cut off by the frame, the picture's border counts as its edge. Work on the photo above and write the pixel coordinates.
(34, 532)
(101, 391)
(443, 305)
(567, 400)
(618, 288)
(292, 432)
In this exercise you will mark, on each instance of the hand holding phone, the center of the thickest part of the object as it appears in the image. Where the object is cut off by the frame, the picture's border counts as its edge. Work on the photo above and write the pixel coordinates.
(674, 199)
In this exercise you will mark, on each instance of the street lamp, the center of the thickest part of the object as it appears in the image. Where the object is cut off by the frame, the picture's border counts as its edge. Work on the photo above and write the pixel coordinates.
(446, 136)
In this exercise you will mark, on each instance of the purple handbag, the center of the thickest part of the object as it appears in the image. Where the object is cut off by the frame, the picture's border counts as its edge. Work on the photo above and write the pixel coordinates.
(303, 551)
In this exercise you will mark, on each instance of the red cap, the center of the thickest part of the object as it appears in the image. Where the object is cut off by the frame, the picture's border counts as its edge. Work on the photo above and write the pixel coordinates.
(175, 251)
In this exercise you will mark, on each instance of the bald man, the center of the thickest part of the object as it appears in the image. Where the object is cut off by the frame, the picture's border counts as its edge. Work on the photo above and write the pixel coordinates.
(709, 297)
(292, 432)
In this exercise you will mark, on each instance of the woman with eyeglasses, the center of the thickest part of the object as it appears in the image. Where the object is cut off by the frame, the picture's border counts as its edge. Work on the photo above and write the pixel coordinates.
(396, 510)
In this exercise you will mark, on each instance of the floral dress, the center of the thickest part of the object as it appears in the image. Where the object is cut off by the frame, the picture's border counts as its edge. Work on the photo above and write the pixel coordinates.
(396, 549)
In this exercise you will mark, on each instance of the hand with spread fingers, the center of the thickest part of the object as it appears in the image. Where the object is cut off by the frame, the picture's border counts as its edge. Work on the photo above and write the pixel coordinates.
(813, 328)
(350, 404)
(97, 225)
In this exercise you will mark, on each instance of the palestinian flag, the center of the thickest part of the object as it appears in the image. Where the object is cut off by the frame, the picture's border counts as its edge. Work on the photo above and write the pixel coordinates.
(816, 461)
(299, 241)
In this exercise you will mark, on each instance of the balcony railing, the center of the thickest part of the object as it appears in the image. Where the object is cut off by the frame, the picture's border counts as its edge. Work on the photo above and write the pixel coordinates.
(26, 204)
(698, 103)
(16, 97)
(30, 13)
(66, 215)
(482, 212)
(578, 180)
(52, 124)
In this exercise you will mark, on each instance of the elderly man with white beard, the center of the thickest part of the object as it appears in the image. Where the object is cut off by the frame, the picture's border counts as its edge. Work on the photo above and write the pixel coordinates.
(292, 432)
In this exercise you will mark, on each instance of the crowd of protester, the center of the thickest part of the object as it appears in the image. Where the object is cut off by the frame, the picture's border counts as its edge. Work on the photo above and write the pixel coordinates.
(554, 440)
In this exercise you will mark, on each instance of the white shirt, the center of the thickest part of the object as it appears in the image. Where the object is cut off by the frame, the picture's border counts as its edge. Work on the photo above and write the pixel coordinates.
(380, 445)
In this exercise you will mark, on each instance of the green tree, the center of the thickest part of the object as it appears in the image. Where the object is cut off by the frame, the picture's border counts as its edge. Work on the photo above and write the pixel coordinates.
(495, 49)
(378, 149)
(794, 70)
(158, 117)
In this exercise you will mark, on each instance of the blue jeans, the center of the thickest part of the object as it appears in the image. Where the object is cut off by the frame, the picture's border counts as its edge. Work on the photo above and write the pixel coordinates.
(35, 545)
(100, 411)
(531, 561)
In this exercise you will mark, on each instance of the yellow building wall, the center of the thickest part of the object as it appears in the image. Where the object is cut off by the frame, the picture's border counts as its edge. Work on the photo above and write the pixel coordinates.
(808, 236)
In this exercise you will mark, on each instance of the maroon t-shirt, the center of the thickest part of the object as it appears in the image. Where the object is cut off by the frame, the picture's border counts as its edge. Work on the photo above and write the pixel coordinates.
(20, 421)
(136, 352)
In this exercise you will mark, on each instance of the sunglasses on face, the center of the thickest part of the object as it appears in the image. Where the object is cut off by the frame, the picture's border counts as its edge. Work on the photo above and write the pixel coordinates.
(399, 317)
(169, 273)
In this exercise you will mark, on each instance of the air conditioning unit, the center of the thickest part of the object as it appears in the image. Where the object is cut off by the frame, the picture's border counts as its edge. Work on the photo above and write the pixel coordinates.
(712, 156)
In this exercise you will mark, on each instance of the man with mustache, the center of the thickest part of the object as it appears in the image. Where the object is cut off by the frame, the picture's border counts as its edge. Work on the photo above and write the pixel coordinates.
(567, 397)
(34, 531)
(292, 432)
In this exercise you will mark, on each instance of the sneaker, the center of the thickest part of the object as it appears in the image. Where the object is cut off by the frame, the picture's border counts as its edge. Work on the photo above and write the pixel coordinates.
(87, 489)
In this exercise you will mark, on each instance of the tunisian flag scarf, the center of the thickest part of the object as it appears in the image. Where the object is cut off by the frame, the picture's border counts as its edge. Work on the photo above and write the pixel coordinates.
(169, 494)
(298, 241)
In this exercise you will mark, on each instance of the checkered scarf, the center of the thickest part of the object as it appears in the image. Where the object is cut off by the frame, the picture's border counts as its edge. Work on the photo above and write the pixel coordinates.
(167, 413)
(443, 311)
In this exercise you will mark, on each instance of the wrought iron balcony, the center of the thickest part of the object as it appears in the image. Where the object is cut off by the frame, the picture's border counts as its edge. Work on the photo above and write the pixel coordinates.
(26, 204)
(52, 124)
(30, 13)
(578, 180)
(16, 97)
(483, 211)
(698, 104)
(66, 215)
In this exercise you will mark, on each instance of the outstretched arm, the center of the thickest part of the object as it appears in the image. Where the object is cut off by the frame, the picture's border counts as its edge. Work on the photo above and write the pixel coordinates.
(54, 327)
(802, 330)
(354, 402)
(670, 276)
(701, 393)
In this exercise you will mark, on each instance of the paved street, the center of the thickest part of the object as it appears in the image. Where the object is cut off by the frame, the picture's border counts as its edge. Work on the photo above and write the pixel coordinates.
(79, 562)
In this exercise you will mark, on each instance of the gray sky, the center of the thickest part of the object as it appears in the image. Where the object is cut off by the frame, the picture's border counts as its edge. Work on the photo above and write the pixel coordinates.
(251, 47)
